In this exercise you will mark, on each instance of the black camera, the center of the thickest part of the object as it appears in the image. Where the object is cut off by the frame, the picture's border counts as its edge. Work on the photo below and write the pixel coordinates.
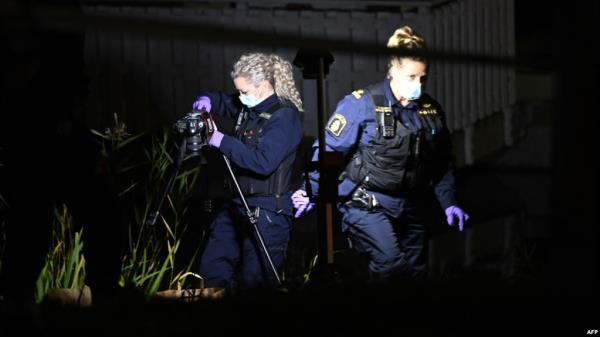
(196, 126)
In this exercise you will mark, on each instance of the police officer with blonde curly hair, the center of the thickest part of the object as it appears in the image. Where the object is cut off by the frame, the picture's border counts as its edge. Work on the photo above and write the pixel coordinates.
(397, 147)
(262, 150)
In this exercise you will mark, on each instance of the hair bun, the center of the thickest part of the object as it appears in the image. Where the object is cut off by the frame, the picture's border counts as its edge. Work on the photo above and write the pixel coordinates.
(404, 37)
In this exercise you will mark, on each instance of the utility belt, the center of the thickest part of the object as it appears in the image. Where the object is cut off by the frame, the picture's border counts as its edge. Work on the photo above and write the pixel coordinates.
(363, 199)
(278, 207)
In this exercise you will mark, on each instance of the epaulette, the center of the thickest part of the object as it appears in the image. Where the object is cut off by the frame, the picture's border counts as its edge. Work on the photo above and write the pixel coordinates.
(265, 115)
(427, 108)
(358, 93)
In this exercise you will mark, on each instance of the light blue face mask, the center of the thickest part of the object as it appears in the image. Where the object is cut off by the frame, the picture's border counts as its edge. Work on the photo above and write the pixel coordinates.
(249, 100)
(415, 94)
(410, 90)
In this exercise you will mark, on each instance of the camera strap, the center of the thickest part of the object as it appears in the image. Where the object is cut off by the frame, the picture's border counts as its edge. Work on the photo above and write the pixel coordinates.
(241, 118)
(209, 122)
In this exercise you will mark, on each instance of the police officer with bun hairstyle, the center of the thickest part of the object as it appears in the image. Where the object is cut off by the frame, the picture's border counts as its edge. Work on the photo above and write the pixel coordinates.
(397, 147)
(262, 150)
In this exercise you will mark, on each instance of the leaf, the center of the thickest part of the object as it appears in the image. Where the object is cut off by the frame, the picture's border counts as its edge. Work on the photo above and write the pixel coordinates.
(133, 185)
(130, 140)
(100, 134)
(158, 279)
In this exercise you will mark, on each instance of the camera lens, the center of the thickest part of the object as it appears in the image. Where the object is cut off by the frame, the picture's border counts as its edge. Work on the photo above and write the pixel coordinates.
(194, 144)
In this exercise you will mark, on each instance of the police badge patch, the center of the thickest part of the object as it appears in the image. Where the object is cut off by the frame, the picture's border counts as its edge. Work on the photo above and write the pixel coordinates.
(336, 124)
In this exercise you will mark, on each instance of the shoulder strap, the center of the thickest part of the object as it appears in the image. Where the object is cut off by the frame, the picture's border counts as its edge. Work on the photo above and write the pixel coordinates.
(378, 98)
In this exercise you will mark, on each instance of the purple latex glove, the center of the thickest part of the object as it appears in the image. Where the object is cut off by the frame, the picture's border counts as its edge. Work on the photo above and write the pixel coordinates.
(301, 202)
(455, 211)
(216, 138)
(202, 102)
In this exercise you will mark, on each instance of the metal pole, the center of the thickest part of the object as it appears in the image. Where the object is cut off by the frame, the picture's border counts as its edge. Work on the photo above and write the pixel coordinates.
(325, 207)
(253, 217)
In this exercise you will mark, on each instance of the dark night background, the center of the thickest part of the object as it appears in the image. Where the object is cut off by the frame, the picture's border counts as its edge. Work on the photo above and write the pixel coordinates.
(527, 172)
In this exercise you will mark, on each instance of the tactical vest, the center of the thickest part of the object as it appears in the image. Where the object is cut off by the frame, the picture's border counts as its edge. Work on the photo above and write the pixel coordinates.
(252, 184)
(406, 160)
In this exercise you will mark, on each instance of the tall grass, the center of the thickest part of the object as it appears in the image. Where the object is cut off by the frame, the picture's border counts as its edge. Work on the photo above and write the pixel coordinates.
(139, 168)
(142, 166)
(65, 262)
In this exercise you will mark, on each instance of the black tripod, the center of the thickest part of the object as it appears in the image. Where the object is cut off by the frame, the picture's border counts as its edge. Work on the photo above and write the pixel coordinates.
(252, 215)
(178, 161)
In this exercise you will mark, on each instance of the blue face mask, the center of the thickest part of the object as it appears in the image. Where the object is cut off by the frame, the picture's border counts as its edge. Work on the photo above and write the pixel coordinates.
(249, 100)
(415, 94)
(410, 90)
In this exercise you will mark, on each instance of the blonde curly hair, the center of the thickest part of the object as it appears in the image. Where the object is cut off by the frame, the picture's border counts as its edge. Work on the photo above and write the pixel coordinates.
(272, 68)
(405, 37)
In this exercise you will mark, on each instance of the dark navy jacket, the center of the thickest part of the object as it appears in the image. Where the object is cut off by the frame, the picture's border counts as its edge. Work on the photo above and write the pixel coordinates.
(281, 136)
(360, 126)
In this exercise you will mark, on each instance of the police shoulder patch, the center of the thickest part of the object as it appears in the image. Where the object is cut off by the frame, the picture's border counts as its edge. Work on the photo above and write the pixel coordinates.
(336, 124)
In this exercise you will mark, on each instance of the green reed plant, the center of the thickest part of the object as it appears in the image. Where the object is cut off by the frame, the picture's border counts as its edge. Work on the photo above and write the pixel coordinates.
(149, 262)
(311, 267)
(65, 262)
